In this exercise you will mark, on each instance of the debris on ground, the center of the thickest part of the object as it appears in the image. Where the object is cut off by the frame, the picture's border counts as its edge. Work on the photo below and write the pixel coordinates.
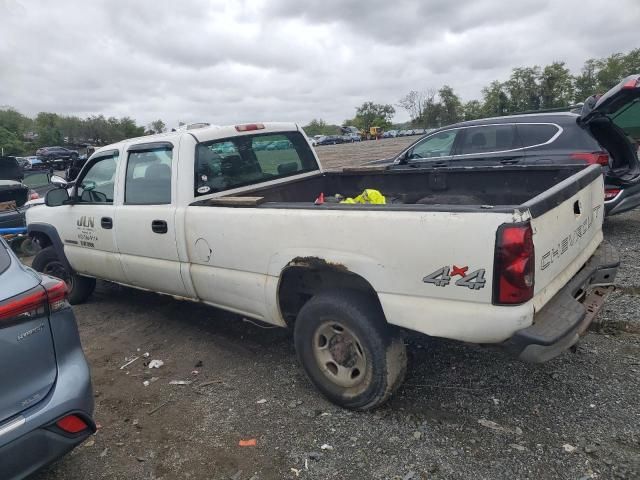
(499, 428)
(296, 471)
(569, 448)
(155, 363)
(250, 442)
(261, 401)
(145, 354)
(154, 410)
(326, 446)
(129, 362)
(180, 382)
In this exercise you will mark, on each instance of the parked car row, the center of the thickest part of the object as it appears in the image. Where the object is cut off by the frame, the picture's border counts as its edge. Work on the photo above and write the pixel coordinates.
(59, 158)
(405, 133)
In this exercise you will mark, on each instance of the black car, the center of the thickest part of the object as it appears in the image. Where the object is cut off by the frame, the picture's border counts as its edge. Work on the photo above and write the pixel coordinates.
(330, 140)
(601, 134)
(57, 157)
(16, 188)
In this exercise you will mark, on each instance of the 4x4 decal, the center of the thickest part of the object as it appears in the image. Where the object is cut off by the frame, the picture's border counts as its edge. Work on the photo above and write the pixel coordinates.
(443, 276)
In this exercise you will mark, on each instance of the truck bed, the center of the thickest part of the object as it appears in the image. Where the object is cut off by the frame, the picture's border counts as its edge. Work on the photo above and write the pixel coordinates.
(500, 188)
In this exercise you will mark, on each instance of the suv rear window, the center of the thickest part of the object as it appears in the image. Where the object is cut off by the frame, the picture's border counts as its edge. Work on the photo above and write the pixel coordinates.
(244, 160)
(536, 134)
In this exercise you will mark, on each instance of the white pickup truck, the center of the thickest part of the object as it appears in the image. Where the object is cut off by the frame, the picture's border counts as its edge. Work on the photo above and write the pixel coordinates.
(233, 217)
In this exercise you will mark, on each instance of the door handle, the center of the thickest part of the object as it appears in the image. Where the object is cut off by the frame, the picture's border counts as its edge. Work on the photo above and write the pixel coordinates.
(510, 161)
(106, 223)
(159, 226)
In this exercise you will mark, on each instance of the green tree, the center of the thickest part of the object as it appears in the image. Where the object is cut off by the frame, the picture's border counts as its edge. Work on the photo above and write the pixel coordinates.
(495, 100)
(316, 126)
(450, 106)
(586, 84)
(371, 114)
(10, 143)
(14, 121)
(48, 129)
(523, 89)
(157, 126)
(556, 86)
(472, 110)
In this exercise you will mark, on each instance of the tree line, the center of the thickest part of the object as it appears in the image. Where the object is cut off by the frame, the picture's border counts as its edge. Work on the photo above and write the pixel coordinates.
(527, 89)
(21, 135)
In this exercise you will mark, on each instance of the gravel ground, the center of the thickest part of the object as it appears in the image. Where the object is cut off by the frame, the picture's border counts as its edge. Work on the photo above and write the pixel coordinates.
(465, 412)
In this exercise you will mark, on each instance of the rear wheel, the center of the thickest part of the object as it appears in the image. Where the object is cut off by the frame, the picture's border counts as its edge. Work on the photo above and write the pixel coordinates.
(348, 351)
(48, 262)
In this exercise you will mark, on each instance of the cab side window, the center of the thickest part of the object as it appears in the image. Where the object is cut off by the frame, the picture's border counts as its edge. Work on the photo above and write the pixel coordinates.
(98, 181)
(148, 179)
(435, 146)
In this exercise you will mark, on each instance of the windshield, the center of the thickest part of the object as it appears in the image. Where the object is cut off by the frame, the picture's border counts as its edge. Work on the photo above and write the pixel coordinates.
(249, 159)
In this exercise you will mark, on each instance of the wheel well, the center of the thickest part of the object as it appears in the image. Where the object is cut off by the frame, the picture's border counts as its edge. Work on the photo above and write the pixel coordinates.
(41, 238)
(298, 283)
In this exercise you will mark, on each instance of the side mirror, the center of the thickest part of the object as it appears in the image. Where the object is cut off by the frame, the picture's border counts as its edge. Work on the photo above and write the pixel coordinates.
(56, 197)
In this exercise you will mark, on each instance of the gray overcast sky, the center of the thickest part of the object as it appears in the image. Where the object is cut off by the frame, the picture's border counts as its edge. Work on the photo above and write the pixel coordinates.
(233, 61)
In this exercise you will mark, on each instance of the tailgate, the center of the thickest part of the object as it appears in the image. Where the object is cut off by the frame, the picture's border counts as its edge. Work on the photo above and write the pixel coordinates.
(567, 229)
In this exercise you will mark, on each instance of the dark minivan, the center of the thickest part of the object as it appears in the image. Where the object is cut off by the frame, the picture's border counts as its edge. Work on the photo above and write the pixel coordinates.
(603, 133)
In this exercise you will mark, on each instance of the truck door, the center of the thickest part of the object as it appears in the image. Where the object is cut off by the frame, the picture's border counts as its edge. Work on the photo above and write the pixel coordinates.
(86, 225)
(145, 219)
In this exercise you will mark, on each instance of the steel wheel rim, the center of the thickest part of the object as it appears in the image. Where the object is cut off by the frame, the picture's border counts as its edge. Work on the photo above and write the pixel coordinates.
(58, 270)
(339, 354)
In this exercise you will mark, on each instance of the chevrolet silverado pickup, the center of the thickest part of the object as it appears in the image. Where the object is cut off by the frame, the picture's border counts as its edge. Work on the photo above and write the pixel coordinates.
(244, 218)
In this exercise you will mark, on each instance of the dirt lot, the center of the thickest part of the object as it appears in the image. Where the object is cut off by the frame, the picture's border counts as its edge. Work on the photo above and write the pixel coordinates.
(465, 412)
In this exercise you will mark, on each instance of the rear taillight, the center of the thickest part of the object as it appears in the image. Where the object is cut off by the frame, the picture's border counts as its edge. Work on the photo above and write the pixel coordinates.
(27, 305)
(57, 292)
(631, 83)
(514, 267)
(72, 424)
(592, 158)
(611, 193)
(51, 294)
(33, 195)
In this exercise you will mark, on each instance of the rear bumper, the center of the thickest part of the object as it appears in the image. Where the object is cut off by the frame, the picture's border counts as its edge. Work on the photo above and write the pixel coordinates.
(627, 199)
(558, 325)
(36, 443)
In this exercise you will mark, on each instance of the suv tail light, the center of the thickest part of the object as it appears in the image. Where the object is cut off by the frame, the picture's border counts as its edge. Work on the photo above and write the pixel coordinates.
(611, 193)
(51, 294)
(514, 267)
(592, 158)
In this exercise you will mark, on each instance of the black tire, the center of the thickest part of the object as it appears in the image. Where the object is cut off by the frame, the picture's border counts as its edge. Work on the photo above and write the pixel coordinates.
(80, 288)
(381, 351)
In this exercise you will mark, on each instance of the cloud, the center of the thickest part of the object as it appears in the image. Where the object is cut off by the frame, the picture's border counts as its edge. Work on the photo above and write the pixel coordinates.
(227, 62)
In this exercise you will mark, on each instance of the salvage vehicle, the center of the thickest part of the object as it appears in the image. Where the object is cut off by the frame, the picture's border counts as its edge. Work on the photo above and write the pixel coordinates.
(505, 255)
(13, 194)
(601, 134)
(57, 157)
(46, 404)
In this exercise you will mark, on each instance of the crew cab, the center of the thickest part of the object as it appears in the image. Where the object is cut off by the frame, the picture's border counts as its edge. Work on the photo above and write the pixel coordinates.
(605, 132)
(493, 255)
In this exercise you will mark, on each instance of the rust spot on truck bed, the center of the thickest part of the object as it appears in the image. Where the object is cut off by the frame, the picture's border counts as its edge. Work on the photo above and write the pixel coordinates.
(316, 263)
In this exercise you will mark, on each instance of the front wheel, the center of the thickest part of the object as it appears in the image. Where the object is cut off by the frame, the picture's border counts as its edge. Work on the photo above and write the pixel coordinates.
(48, 262)
(348, 351)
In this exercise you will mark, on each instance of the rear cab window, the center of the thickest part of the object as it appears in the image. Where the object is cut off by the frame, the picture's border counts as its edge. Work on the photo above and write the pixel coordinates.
(249, 159)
